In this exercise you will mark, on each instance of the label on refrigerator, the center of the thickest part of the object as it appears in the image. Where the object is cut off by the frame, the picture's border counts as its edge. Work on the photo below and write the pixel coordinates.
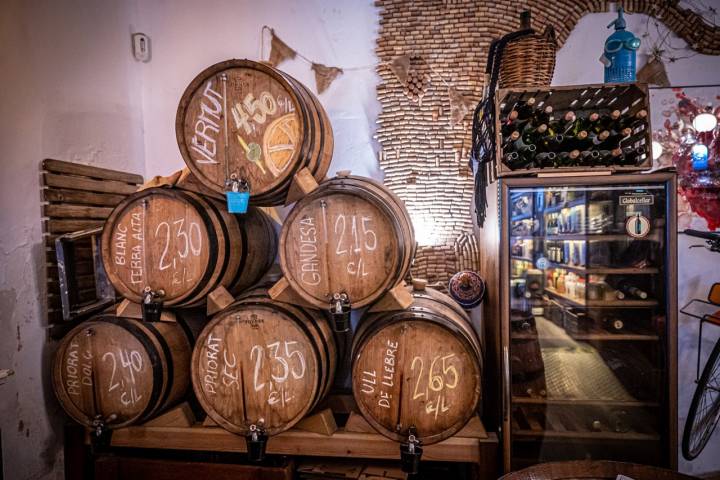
(637, 199)
(637, 226)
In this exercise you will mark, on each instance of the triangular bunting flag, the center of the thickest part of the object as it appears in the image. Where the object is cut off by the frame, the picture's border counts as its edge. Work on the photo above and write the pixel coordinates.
(324, 76)
(654, 73)
(460, 106)
(400, 67)
(279, 50)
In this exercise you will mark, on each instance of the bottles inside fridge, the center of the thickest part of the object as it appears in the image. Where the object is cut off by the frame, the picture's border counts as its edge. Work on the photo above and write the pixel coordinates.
(587, 307)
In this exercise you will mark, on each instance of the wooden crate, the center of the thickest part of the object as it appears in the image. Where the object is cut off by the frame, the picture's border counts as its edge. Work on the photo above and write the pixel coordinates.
(77, 197)
(629, 98)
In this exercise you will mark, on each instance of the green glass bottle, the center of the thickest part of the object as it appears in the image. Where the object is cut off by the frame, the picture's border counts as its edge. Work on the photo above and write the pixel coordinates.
(534, 135)
(564, 124)
(545, 159)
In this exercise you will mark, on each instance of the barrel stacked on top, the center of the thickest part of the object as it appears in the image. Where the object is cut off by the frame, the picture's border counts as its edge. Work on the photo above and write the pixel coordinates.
(269, 358)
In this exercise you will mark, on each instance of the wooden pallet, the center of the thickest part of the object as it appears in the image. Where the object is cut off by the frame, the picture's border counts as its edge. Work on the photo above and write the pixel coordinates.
(77, 197)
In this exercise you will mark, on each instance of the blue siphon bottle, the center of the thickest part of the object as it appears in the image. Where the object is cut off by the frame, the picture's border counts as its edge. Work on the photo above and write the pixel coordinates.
(620, 51)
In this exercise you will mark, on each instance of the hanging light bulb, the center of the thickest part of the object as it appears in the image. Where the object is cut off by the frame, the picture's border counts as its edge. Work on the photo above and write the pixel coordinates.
(706, 121)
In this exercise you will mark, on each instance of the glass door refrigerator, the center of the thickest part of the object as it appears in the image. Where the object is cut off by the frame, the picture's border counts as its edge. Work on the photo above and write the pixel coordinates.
(588, 268)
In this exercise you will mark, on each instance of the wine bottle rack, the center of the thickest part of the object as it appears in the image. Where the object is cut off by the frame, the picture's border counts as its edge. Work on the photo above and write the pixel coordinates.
(582, 100)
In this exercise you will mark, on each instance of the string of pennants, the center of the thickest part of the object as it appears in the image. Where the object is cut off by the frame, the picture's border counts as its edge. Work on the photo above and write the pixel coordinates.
(405, 68)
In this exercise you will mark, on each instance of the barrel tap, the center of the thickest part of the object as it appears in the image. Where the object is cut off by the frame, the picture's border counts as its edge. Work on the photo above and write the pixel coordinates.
(410, 453)
(152, 304)
(340, 311)
(256, 440)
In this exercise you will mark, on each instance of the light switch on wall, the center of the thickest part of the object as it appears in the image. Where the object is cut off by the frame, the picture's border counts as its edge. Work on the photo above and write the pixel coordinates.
(141, 47)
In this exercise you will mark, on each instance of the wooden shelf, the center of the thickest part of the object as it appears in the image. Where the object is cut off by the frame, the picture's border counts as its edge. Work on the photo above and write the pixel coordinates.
(522, 259)
(597, 436)
(602, 303)
(597, 236)
(557, 208)
(547, 330)
(297, 442)
(522, 216)
(591, 336)
(605, 270)
(580, 402)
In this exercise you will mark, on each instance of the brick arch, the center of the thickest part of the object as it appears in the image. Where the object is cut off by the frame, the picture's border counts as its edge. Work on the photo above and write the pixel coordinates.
(425, 159)
(685, 23)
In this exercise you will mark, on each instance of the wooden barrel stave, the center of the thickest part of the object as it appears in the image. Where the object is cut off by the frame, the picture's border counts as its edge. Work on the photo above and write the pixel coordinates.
(275, 127)
(341, 211)
(184, 244)
(121, 371)
(420, 368)
(263, 361)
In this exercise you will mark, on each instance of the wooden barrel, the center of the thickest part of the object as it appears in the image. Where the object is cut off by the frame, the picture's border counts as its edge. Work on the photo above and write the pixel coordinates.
(245, 120)
(184, 244)
(420, 367)
(262, 362)
(121, 371)
(351, 235)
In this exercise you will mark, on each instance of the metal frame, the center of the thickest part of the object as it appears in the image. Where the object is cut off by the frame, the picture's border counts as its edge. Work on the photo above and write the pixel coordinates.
(713, 318)
(669, 178)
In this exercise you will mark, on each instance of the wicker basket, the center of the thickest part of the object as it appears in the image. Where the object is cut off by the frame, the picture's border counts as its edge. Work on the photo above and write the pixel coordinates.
(529, 61)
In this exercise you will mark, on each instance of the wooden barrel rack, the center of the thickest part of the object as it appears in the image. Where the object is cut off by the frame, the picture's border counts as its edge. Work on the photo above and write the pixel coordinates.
(247, 122)
(111, 372)
(184, 245)
(260, 366)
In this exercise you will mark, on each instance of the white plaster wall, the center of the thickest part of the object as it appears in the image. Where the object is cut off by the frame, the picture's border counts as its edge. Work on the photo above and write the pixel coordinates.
(70, 90)
(577, 63)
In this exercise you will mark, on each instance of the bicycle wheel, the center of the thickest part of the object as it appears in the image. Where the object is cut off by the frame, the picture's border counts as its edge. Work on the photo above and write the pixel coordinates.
(704, 410)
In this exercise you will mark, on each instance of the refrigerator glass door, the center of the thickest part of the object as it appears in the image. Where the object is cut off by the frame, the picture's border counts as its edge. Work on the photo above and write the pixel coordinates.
(587, 300)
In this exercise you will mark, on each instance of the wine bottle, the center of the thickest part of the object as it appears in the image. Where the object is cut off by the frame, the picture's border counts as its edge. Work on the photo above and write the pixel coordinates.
(634, 121)
(510, 139)
(590, 123)
(510, 126)
(611, 157)
(633, 155)
(564, 124)
(511, 159)
(614, 139)
(524, 149)
(613, 324)
(534, 135)
(590, 157)
(524, 109)
(578, 141)
(552, 142)
(620, 421)
(626, 287)
(597, 139)
(545, 159)
(541, 116)
(517, 160)
(607, 122)
(568, 159)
